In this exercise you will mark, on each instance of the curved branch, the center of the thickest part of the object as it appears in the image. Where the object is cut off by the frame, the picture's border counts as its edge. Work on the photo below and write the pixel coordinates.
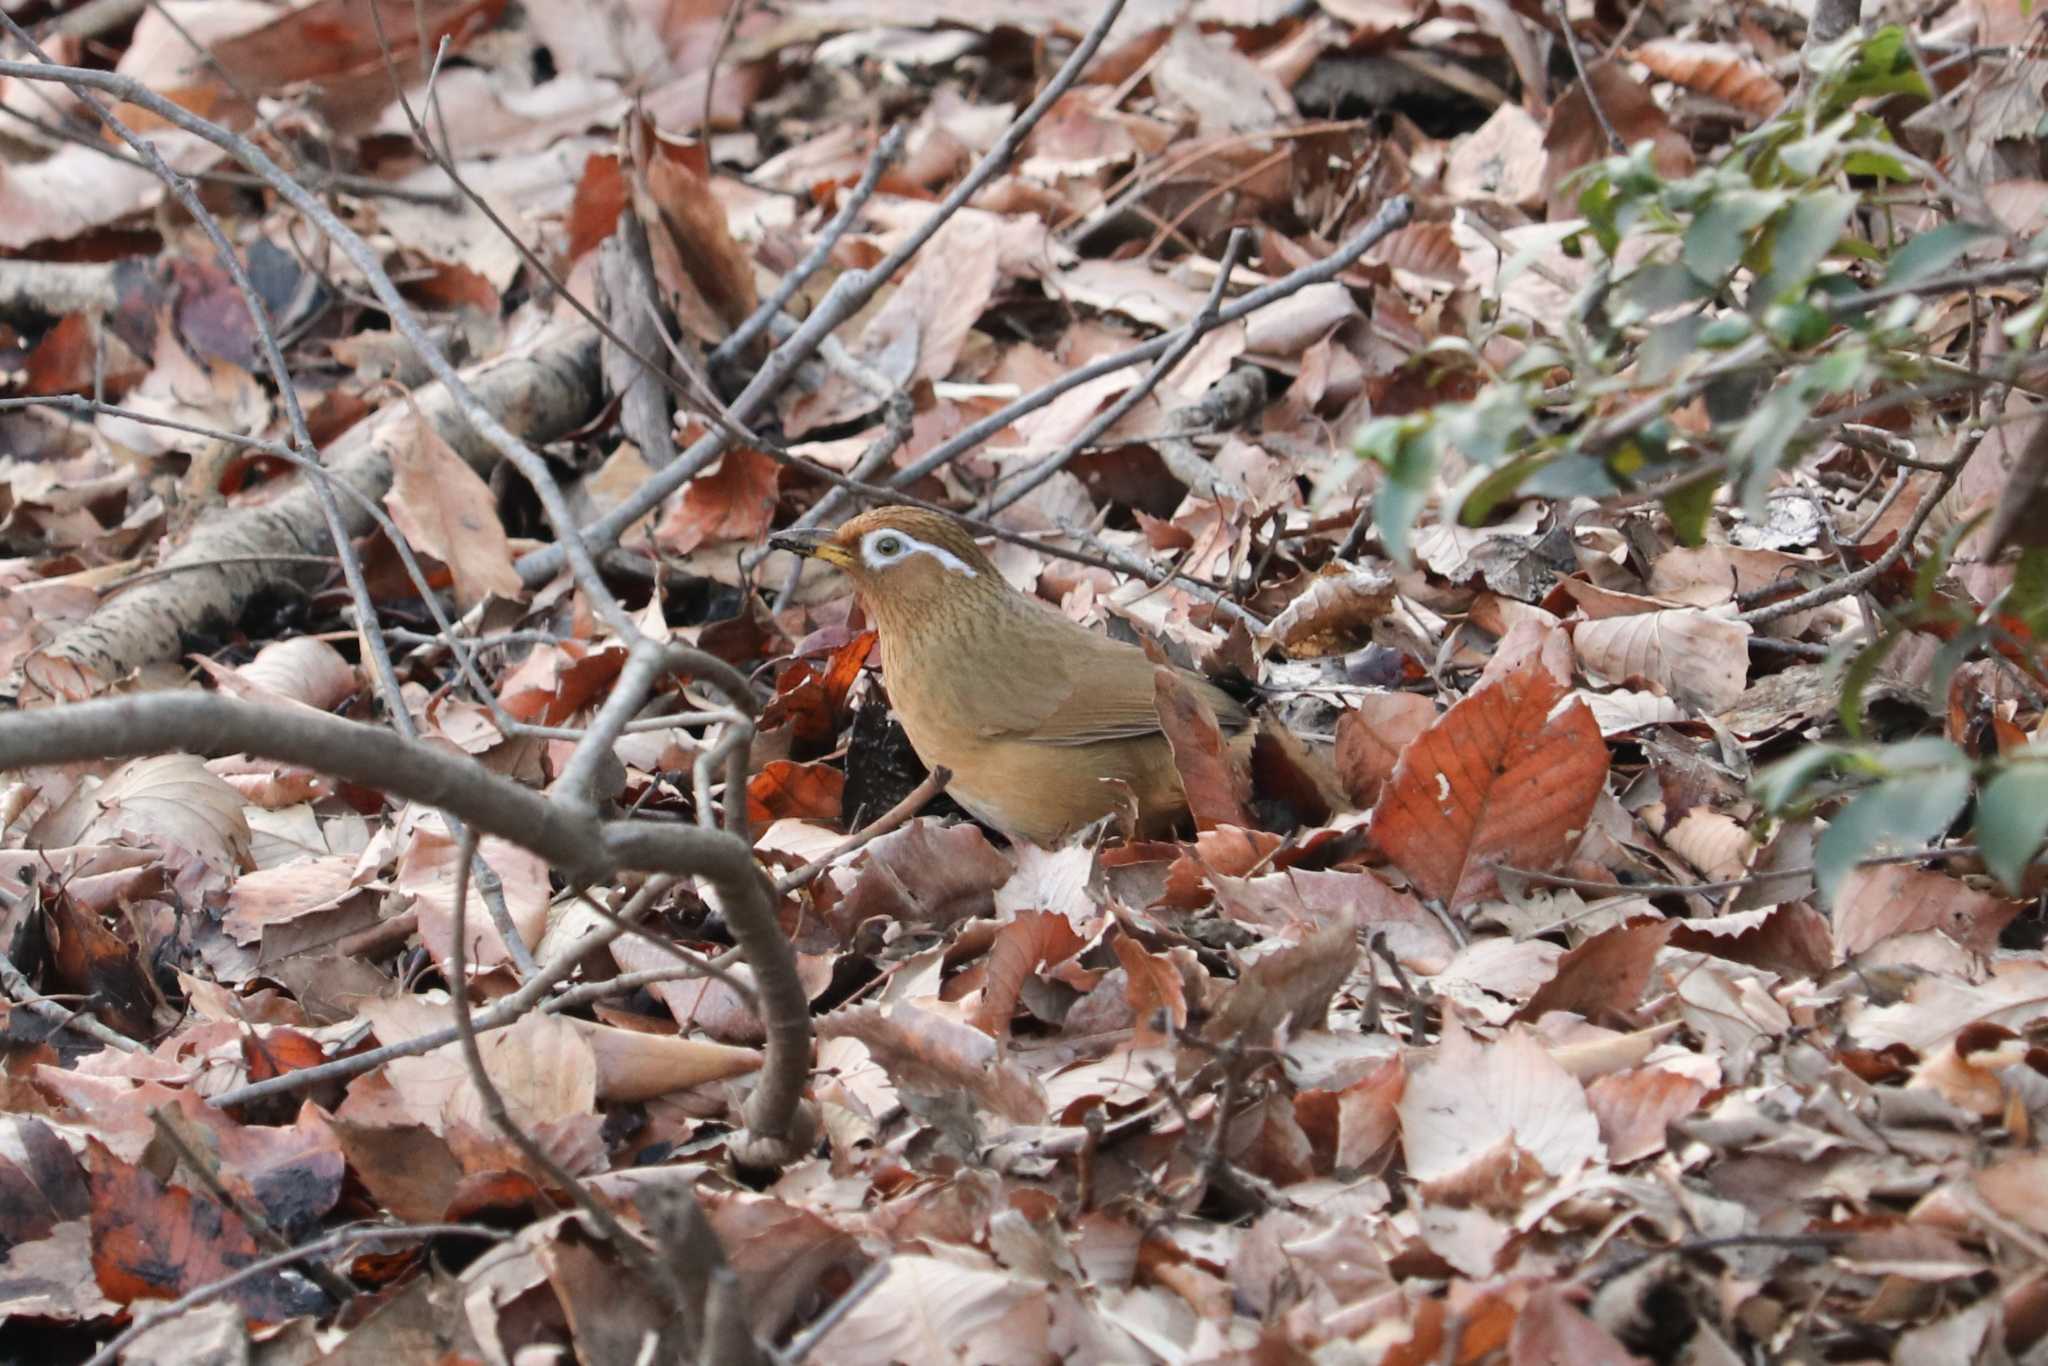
(577, 844)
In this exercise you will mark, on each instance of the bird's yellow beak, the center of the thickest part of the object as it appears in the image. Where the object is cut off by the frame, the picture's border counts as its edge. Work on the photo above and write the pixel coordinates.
(816, 545)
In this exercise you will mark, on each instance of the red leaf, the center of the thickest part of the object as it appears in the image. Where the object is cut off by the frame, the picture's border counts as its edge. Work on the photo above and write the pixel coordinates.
(1496, 779)
(1212, 782)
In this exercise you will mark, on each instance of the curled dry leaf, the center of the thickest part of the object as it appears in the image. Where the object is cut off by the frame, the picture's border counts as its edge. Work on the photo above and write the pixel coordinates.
(446, 509)
(928, 1053)
(706, 280)
(1697, 657)
(174, 804)
(1289, 987)
(1497, 779)
(798, 791)
(304, 670)
(732, 502)
(1712, 69)
(1605, 975)
(1033, 940)
(1337, 605)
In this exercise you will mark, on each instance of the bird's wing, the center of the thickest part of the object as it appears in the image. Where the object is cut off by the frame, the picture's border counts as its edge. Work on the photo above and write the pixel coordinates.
(1104, 692)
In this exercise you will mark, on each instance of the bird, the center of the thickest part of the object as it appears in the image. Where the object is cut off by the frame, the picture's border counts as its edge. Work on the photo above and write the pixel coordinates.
(1044, 725)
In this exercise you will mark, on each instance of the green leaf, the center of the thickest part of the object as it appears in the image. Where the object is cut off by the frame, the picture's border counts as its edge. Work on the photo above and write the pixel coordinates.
(1688, 507)
(1669, 346)
(2027, 599)
(1930, 253)
(1719, 236)
(1801, 239)
(1897, 814)
(1882, 65)
(1857, 677)
(2012, 818)
(1781, 786)
(1759, 444)
(1486, 487)
(1403, 448)
(1657, 288)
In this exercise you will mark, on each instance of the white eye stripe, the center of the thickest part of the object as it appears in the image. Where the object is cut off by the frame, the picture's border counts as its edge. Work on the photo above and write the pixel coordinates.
(880, 549)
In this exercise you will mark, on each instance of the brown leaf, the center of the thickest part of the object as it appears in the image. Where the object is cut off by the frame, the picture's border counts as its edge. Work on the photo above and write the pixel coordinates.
(1893, 899)
(1605, 975)
(1033, 940)
(40, 1188)
(1155, 990)
(1496, 779)
(1214, 784)
(706, 280)
(733, 502)
(1577, 139)
(1714, 70)
(1697, 657)
(1338, 604)
(927, 1053)
(447, 510)
(173, 804)
(1371, 737)
(1292, 985)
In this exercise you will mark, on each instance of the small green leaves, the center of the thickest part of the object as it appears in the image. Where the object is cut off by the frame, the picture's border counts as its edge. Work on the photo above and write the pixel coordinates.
(1930, 253)
(2012, 817)
(1405, 449)
(1901, 813)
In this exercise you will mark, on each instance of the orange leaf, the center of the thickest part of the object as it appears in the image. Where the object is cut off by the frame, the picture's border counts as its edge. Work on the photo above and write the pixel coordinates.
(735, 502)
(151, 1241)
(806, 791)
(1496, 779)
(1031, 941)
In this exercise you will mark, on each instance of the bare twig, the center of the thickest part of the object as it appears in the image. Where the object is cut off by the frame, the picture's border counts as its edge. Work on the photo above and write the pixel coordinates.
(1206, 319)
(1896, 551)
(254, 1220)
(658, 1276)
(849, 293)
(932, 786)
(150, 1318)
(743, 336)
(1392, 215)
(584, 848)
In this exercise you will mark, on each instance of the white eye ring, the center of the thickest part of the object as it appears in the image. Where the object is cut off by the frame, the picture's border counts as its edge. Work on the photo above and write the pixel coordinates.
(881, 549)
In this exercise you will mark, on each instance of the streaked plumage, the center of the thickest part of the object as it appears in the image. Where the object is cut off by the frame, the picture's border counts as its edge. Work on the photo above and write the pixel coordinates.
(1039, 719)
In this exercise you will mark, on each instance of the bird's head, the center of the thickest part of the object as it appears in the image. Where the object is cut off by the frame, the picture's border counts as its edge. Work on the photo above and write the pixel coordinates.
(902, 559)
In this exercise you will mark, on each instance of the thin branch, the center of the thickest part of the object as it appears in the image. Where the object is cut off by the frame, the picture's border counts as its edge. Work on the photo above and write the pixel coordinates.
(569, 540)
(1896, 551)
(155, 1316)
(1206, 319)
(932, 786)
(849, 293)
(658, 1276)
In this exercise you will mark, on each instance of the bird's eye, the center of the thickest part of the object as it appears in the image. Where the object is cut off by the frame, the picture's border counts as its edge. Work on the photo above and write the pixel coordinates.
(888, 545)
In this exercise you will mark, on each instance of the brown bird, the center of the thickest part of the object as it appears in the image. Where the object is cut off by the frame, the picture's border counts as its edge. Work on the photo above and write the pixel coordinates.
(1044, 725)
